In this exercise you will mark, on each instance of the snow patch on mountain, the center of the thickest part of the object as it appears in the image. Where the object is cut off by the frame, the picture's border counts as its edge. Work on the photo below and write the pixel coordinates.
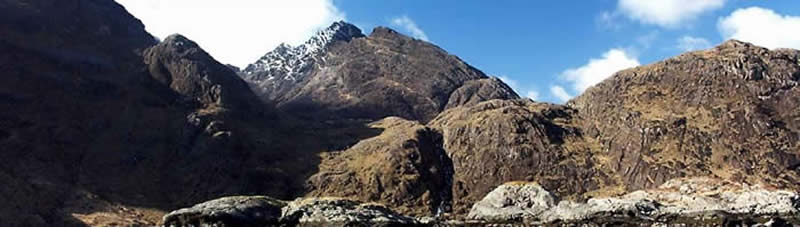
(288, 63)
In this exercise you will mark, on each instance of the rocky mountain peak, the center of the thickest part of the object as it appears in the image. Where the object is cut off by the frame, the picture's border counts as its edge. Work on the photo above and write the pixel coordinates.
(187, 69)
(338, 31)
(736, 44)
(382, 32)
(290, 63)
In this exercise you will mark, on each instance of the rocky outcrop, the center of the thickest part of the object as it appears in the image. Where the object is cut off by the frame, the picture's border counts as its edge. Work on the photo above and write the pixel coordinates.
(513, 201)
(728, 112)
(181, 65)
(350, 75)
(256, 211)
(341, 212)
(265, 211)
(511, 140)
(404, 167)
(476, 91)
(693, 201)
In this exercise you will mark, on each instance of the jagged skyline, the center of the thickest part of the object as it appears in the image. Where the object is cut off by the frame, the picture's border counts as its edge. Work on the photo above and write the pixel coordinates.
(592, 39)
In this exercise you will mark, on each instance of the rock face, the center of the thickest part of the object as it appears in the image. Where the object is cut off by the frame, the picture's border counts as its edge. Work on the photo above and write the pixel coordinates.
(341, 212)
(476, 91)
(730, 112)
(404, 167)
(511, 140)
(342, 73)
(181, 65)
(691, 201)
(256, 211)
(513, 201)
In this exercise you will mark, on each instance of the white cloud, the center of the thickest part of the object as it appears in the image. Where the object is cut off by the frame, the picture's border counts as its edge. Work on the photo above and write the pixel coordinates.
(609, 20)
(514, 84)
(236, 31)
(762, 27)
(532, 95)
(646, 40)
(666, 13)
(410, 26)
(560, 93)
(510, 82)
(689, 43)
(599, 69)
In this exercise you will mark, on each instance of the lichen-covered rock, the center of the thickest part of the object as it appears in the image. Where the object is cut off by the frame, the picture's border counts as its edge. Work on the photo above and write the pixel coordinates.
(256, 211)
(341, 212)
(679, 201)
(513, 201)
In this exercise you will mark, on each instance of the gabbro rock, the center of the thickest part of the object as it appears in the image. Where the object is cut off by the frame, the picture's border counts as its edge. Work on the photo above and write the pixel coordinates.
(684, 200)
(260, 211)
(499, 141)
(341, 212)
(512, 202)
(404, 167)
(229, 211)
(729, 111)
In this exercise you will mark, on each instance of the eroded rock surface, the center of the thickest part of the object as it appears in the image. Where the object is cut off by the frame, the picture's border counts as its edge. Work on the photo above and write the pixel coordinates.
(404, 167)
(515, 140)
(256, 211)
(730, 112)
(262, 211)
(693, 201)
(342, 212)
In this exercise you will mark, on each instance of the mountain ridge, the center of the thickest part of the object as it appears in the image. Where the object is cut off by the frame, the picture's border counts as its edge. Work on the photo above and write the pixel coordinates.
(356, 76)
(116, 128)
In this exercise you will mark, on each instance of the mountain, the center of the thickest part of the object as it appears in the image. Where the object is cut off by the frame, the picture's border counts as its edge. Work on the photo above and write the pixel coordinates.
(104, 125)
(729, 112)
(340, 72)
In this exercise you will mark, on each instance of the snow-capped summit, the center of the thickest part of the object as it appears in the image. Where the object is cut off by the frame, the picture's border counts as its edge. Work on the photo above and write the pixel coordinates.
(291, 63)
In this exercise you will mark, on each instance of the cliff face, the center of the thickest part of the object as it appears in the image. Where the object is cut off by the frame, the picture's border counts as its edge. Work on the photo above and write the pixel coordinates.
(508, 140)
(729, 112)
(404, 167)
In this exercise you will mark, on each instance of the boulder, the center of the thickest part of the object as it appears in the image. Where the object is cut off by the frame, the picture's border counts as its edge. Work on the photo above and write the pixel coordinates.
(341, 212)
(513, 201)
(692, 201)
(229, 211)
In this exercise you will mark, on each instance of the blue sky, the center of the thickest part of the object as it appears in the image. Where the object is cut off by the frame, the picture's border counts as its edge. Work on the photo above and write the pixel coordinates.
(548, 50)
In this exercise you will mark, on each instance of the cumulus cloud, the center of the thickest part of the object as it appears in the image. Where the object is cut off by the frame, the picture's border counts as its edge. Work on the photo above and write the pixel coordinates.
(599, 69)
(762, 27)
(689, 43)
(666, 13)
(236, 31)
(514, 84)
(560, 93)
(410, 26)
